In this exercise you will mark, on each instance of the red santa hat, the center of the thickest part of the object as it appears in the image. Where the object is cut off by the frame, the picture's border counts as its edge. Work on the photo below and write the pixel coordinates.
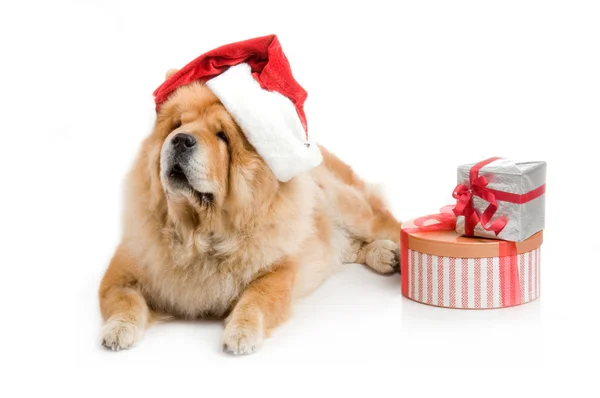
(254, 81)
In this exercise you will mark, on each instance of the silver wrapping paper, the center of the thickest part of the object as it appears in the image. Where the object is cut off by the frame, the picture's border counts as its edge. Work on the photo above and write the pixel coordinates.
(506, 175)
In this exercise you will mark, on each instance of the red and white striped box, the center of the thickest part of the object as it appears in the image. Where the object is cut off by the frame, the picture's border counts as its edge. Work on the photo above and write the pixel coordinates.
(444, 269)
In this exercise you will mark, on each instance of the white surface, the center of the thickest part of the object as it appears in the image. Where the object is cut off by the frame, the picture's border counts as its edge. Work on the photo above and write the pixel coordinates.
(404, 95)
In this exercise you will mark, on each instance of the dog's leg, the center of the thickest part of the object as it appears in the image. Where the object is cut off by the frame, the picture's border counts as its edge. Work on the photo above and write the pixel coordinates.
(262, 306)
(373, 230)
(123, 307)
(381, 255)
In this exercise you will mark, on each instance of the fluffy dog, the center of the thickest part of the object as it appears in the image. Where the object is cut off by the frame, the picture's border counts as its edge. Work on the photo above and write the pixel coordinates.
(209, 231)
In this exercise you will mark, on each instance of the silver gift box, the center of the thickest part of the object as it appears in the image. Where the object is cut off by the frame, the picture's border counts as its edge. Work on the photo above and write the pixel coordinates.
(506, 175)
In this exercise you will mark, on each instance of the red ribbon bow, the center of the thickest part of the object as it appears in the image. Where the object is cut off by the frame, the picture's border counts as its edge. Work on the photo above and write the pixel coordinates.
(464, 206)
(446, 221)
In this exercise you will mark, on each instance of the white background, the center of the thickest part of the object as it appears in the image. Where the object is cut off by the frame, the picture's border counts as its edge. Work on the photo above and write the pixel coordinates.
(404, 93)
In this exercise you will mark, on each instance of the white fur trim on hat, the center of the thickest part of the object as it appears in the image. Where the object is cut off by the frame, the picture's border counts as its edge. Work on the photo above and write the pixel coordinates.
(269, 120)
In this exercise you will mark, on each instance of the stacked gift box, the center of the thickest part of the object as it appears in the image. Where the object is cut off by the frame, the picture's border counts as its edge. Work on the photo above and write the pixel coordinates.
(484, 251)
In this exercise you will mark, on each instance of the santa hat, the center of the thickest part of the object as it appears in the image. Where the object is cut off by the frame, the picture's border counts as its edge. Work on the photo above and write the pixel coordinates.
(254, 81)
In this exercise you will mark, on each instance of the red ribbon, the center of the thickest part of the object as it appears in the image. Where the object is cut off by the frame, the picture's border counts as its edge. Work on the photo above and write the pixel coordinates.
(404, 261)
(510, 285)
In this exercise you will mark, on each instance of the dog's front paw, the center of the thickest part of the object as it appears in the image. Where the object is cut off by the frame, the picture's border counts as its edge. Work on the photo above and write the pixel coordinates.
(118, 334)
(383, 256)
(243, 336)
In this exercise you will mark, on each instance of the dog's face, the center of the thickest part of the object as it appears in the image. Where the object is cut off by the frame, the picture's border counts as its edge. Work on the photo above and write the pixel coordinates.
(204, 161)
(195, 154)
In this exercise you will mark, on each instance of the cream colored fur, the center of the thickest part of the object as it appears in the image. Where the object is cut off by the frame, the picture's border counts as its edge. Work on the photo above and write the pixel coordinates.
(260, 245)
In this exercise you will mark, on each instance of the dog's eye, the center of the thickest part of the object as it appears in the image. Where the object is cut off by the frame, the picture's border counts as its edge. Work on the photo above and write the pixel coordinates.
(221, 135)
(177, 125)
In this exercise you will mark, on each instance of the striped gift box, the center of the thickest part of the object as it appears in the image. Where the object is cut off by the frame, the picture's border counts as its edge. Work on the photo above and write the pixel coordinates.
(469, 282)
(444, 269)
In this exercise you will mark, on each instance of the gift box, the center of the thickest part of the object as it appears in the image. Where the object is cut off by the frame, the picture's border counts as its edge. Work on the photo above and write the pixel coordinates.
(500, 199)
(442, 268)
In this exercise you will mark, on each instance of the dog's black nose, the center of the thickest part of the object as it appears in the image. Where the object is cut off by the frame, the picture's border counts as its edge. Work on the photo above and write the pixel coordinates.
(182, 142)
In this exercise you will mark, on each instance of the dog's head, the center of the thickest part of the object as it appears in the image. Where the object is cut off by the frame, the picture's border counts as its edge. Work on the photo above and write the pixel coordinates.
(202, 160)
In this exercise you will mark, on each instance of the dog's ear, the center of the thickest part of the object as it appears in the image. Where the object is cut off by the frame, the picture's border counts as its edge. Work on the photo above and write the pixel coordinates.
(170, 73)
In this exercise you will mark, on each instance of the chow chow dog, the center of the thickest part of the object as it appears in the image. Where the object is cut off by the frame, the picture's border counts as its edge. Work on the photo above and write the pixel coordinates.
(208, 230)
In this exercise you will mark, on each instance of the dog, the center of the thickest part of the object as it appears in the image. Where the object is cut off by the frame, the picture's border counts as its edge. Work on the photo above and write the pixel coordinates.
(208, 231)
